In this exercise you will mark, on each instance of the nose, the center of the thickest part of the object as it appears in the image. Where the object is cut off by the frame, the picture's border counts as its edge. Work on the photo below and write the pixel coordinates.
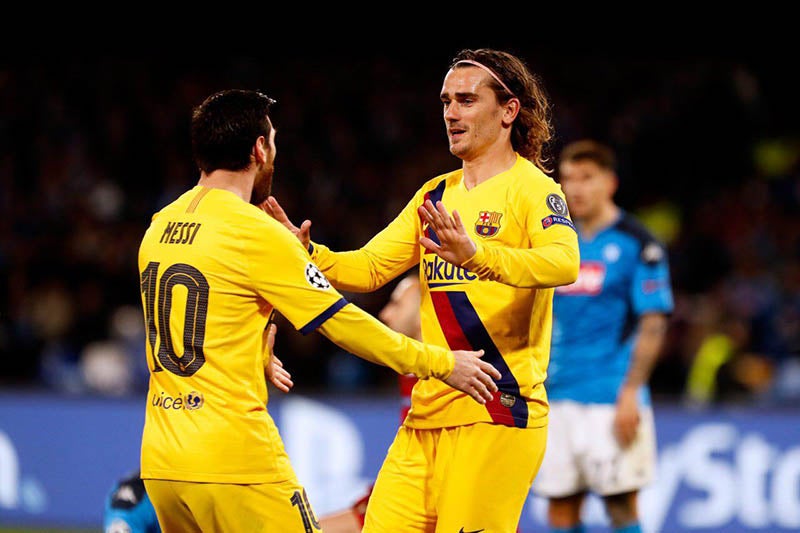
(451, 112)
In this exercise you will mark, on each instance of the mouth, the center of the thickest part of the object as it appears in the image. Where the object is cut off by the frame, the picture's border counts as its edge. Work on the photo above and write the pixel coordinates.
(456, 133)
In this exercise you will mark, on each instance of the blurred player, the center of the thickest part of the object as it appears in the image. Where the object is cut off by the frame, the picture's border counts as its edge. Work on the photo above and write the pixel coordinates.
(401, 313)
(487, 272)
(608, 330)
(128, 508)
(213, 268)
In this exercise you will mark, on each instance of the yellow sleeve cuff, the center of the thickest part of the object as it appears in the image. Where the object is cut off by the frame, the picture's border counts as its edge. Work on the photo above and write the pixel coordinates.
(442, 367)
(477, 264)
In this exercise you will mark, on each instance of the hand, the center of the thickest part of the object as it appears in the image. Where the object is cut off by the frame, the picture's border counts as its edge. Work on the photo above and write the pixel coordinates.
(626, 418)
(454, 246)
(276, 374)
(473, 376)
(274, 209)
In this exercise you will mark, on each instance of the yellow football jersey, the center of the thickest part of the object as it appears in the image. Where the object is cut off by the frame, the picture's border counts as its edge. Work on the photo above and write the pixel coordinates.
(212, 270)
(500, 300)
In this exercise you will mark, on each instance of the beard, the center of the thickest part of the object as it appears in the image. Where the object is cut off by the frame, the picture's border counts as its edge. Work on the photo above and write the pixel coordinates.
(262, 186)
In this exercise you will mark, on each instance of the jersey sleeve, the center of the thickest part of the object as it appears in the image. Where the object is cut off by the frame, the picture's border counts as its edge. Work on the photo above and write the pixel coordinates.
(651, 290)
(553, 258)
(283, 274)
(388, 254)
(359, 333)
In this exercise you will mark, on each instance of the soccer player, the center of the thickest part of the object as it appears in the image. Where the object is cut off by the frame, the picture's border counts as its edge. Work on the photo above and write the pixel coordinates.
(488, 272)
(608, 329)
(213, 268)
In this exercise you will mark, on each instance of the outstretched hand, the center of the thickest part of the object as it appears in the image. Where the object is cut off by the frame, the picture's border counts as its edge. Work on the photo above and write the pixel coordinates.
(274, 209)
(473, 376)
(276, 374)
(454, 246)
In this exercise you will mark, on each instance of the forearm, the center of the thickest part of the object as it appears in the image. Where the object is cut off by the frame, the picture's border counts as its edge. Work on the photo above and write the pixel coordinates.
(649, 343)
(361, 334)
(551, 265)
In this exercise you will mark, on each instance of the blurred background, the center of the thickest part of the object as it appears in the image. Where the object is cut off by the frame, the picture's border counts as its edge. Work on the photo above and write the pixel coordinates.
(708, 141)
(709, 150)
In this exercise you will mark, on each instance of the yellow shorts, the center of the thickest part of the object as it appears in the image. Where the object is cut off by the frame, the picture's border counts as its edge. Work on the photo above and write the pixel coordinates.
(186, 507)
(467, 478)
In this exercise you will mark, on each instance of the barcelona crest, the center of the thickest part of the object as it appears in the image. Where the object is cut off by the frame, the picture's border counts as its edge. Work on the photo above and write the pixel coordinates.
(488, 223)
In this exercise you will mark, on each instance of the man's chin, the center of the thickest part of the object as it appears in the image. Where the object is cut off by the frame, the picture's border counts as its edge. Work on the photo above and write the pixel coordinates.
(456, 149)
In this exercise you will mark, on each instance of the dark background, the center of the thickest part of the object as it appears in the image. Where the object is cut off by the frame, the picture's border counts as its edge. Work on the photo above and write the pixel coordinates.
(92, 144)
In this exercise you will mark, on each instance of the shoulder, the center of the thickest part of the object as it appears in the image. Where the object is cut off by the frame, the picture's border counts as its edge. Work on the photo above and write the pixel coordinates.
(127, 493)
(531, 186)
(530, 178)
(651, 250)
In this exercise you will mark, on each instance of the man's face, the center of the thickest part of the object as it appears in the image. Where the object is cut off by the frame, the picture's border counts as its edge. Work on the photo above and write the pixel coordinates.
(262, 186)
(472, 115)
(587, 187)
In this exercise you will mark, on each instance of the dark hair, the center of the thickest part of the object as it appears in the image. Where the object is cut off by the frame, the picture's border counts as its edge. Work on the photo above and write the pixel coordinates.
(532, 129)
(590, 150)
(225, 128)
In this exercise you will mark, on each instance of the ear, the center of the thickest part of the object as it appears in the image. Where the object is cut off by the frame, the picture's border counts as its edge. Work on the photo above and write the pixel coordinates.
(614, 182)
(510, 111)
(261, 150)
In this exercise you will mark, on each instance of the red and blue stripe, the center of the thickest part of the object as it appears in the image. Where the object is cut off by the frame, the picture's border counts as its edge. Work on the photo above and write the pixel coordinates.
(464, 330)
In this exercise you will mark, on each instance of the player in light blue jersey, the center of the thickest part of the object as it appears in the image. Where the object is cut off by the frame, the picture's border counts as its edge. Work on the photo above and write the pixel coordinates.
(128, 508)
(608, 330)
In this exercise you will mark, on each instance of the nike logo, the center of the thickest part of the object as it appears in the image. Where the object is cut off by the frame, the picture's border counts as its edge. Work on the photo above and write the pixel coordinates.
(475, 531)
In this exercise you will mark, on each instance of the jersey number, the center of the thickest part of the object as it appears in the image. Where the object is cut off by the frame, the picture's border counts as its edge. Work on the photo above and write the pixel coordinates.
(194, 319)
(301, 501)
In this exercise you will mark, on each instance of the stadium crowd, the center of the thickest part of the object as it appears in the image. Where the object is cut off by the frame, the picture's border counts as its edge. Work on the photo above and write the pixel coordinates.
(710, 159)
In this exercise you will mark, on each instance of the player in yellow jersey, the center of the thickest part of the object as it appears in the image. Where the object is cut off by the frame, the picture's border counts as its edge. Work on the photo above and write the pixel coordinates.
(213, 268)
(488, 272)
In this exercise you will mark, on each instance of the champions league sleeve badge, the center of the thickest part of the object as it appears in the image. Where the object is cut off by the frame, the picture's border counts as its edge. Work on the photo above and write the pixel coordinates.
(488, 223)
(316, 278)
(557, 205)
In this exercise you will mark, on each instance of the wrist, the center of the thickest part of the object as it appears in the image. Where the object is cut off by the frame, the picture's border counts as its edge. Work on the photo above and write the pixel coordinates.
(476, 258)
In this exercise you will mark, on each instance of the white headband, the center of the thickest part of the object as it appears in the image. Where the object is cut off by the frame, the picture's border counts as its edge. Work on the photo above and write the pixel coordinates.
(491, 73)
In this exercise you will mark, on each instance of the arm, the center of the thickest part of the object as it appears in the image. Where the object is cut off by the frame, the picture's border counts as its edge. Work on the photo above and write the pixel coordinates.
(651, 300)
(552, 260)
(649, 342)
(552, 264)
(273, 367)
(361, 334)
(283, 275)
(388, 254)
